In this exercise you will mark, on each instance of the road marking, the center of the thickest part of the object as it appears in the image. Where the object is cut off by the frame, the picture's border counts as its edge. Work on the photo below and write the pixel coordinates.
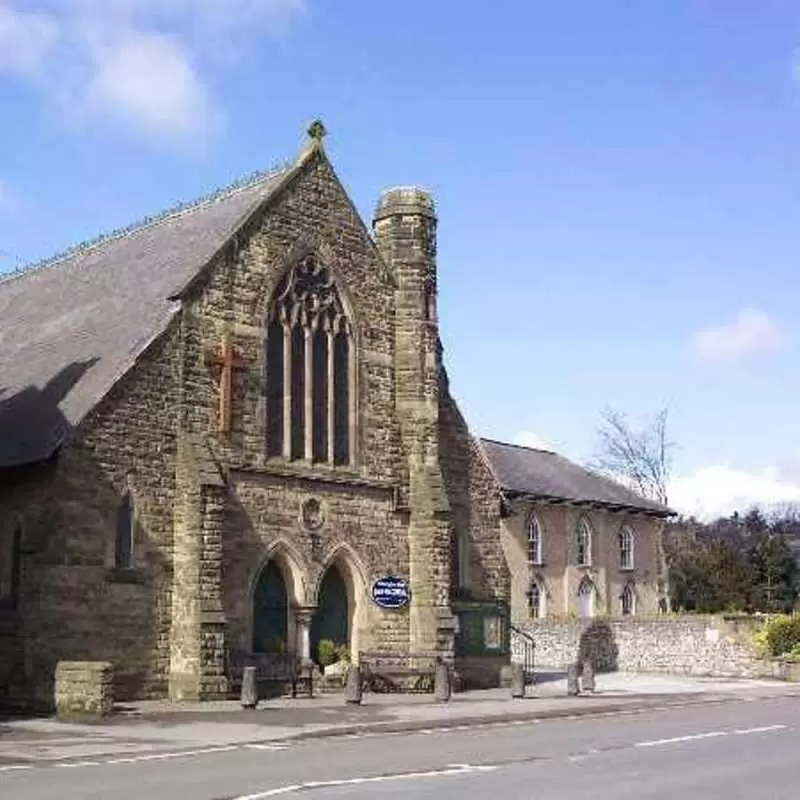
(164, 756)
(461, 769)
(764, 729)
(268, 746)
(15, 767)
(677, 739)
(710, 735)
(74, 764)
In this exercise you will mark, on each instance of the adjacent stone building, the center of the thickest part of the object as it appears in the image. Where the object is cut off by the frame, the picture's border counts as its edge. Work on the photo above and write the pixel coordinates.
(219, 428)
(577, 544)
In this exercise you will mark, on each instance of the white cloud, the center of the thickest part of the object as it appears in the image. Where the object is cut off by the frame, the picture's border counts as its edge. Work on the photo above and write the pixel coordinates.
(147, 79)
(530, 439)
(26, 39)
(752, 332)
(720, 490)
(142, 63)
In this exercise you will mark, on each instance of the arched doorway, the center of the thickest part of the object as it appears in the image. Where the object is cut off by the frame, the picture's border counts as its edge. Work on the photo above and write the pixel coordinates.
(332, 620)
(270, 611)
(586, 598)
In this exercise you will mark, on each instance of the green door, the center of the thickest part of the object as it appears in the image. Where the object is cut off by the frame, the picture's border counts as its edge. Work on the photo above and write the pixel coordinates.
(270, 612)
(332, 620)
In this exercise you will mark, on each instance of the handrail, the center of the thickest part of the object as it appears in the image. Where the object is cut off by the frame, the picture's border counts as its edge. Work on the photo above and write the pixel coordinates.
(524, 634)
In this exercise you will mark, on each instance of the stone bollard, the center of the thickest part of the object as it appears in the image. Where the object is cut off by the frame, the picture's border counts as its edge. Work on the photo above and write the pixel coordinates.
(249, 691)
(352, 687)
(573, 689)
(441, 683)
(587, 679)
(517, 681)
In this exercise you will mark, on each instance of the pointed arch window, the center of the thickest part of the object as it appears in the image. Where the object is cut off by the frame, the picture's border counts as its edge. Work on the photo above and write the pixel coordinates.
(626, 545)
(10, 564)
(628, 601)
(123, 541)
(309, 371)
(583, 541)
(534, 540)
(536, 600)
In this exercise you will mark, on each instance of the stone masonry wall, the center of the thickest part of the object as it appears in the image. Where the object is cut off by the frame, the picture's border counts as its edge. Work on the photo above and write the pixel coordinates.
(475, 508)
(364, 531)
(312, 212)
(74, 606)
(361, 533)
(558, 576)
(709, 646)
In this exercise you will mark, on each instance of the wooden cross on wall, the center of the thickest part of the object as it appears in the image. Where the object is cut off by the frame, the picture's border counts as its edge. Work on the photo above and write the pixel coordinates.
(227, 361)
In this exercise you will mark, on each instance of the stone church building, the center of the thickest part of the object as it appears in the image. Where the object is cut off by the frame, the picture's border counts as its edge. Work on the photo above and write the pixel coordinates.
(221, 428)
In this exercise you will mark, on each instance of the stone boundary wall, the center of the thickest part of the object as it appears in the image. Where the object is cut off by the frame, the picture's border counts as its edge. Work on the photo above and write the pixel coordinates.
(84, 689)
(690, 645)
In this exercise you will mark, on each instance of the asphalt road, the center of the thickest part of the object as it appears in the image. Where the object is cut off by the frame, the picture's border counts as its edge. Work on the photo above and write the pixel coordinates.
(746, 749)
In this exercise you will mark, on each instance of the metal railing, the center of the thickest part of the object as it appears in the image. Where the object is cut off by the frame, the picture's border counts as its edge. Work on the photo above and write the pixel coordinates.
(523, 649)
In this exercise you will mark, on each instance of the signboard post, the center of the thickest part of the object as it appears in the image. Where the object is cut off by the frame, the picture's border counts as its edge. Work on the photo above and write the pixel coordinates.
(391, 591)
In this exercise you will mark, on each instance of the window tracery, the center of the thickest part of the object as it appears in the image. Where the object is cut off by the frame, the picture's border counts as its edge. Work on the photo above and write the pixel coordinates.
(309, 371)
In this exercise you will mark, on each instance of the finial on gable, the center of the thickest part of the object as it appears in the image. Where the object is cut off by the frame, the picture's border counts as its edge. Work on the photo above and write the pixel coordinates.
(316, 132)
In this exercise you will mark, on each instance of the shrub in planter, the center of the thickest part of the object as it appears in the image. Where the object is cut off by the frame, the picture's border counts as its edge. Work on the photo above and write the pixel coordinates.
(327, 653)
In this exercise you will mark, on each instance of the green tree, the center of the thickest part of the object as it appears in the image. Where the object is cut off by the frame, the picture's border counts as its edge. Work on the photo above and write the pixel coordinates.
(775, 574)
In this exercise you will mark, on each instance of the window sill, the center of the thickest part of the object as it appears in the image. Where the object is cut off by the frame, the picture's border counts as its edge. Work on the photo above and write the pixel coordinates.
(537, 564)
(584, 566)
(130, 575)
(627, 570)
(321, 473)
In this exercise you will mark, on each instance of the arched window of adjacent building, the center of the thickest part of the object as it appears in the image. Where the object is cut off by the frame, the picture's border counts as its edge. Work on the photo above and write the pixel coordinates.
(534, 540)
(583, 537)
(537, 599)
(10, 563)
(309, 377)
(626, 544)
(586, 598)
(123, 541)
(628, 600)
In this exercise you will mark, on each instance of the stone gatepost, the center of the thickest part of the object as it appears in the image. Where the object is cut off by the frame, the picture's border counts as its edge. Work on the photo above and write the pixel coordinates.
(84, 689)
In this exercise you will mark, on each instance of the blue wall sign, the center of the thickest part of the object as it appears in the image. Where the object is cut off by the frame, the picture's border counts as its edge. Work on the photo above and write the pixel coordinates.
(390, 591)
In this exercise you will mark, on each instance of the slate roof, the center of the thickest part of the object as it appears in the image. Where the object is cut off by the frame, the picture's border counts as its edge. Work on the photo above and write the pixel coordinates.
(549, 476)
(72, 327)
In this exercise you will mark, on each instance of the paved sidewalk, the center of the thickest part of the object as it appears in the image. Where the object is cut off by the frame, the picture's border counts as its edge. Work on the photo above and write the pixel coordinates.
(152, 728)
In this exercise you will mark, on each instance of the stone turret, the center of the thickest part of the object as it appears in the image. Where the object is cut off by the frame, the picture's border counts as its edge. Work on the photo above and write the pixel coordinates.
(405, 233)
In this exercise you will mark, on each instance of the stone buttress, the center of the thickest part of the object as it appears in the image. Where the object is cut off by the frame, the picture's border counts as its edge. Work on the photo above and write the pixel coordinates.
(405, 233)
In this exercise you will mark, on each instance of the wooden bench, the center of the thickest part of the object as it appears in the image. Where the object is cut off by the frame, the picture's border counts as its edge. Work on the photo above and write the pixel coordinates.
(273, 670)
(398, 672)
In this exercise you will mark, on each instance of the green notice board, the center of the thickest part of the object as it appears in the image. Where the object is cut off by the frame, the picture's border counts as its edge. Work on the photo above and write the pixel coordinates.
(483, 628)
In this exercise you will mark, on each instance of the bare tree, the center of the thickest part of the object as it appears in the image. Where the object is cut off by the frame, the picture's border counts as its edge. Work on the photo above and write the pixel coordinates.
(640, 458)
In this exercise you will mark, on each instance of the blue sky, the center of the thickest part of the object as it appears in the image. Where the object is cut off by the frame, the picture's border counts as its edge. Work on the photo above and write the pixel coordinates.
(617, 184)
